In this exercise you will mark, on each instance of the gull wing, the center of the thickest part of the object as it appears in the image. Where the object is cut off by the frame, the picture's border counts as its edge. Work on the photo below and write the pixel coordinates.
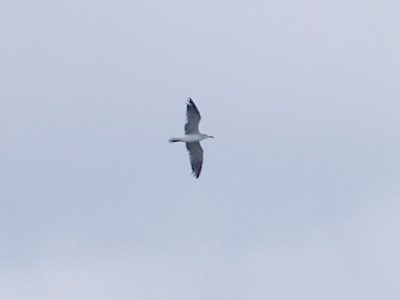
(193, 118)
(196, 157)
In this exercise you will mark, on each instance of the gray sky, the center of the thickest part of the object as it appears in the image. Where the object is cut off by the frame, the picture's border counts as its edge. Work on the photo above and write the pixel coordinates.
(299, 195)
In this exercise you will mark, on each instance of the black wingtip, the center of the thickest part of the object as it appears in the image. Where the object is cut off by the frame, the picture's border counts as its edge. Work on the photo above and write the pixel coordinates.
(197, 173)
(191, 103)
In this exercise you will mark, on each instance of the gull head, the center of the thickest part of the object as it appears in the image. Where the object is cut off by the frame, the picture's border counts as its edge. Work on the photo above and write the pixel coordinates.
(205, 136)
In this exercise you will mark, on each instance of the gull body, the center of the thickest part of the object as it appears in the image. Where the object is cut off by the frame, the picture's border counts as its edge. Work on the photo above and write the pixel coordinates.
(190, 138)
(193, 137)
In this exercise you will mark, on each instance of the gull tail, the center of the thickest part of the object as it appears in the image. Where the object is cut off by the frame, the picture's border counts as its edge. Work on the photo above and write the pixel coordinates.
(174, 140)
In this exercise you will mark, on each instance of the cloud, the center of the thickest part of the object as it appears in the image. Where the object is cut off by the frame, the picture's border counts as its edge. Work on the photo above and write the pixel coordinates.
(354, 259)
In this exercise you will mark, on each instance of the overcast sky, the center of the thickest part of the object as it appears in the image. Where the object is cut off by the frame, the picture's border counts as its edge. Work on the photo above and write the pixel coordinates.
(299, 193)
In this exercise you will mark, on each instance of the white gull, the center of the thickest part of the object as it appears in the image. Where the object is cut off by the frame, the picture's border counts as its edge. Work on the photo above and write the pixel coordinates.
(193, 137)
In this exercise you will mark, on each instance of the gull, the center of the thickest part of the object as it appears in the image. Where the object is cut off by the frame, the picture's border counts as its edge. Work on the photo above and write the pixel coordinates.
(193, 137)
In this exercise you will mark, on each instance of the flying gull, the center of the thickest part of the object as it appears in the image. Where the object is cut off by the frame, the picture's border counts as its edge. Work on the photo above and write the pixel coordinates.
(193, 137)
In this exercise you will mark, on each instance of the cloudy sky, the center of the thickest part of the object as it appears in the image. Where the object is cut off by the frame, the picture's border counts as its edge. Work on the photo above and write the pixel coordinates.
(299, 195)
